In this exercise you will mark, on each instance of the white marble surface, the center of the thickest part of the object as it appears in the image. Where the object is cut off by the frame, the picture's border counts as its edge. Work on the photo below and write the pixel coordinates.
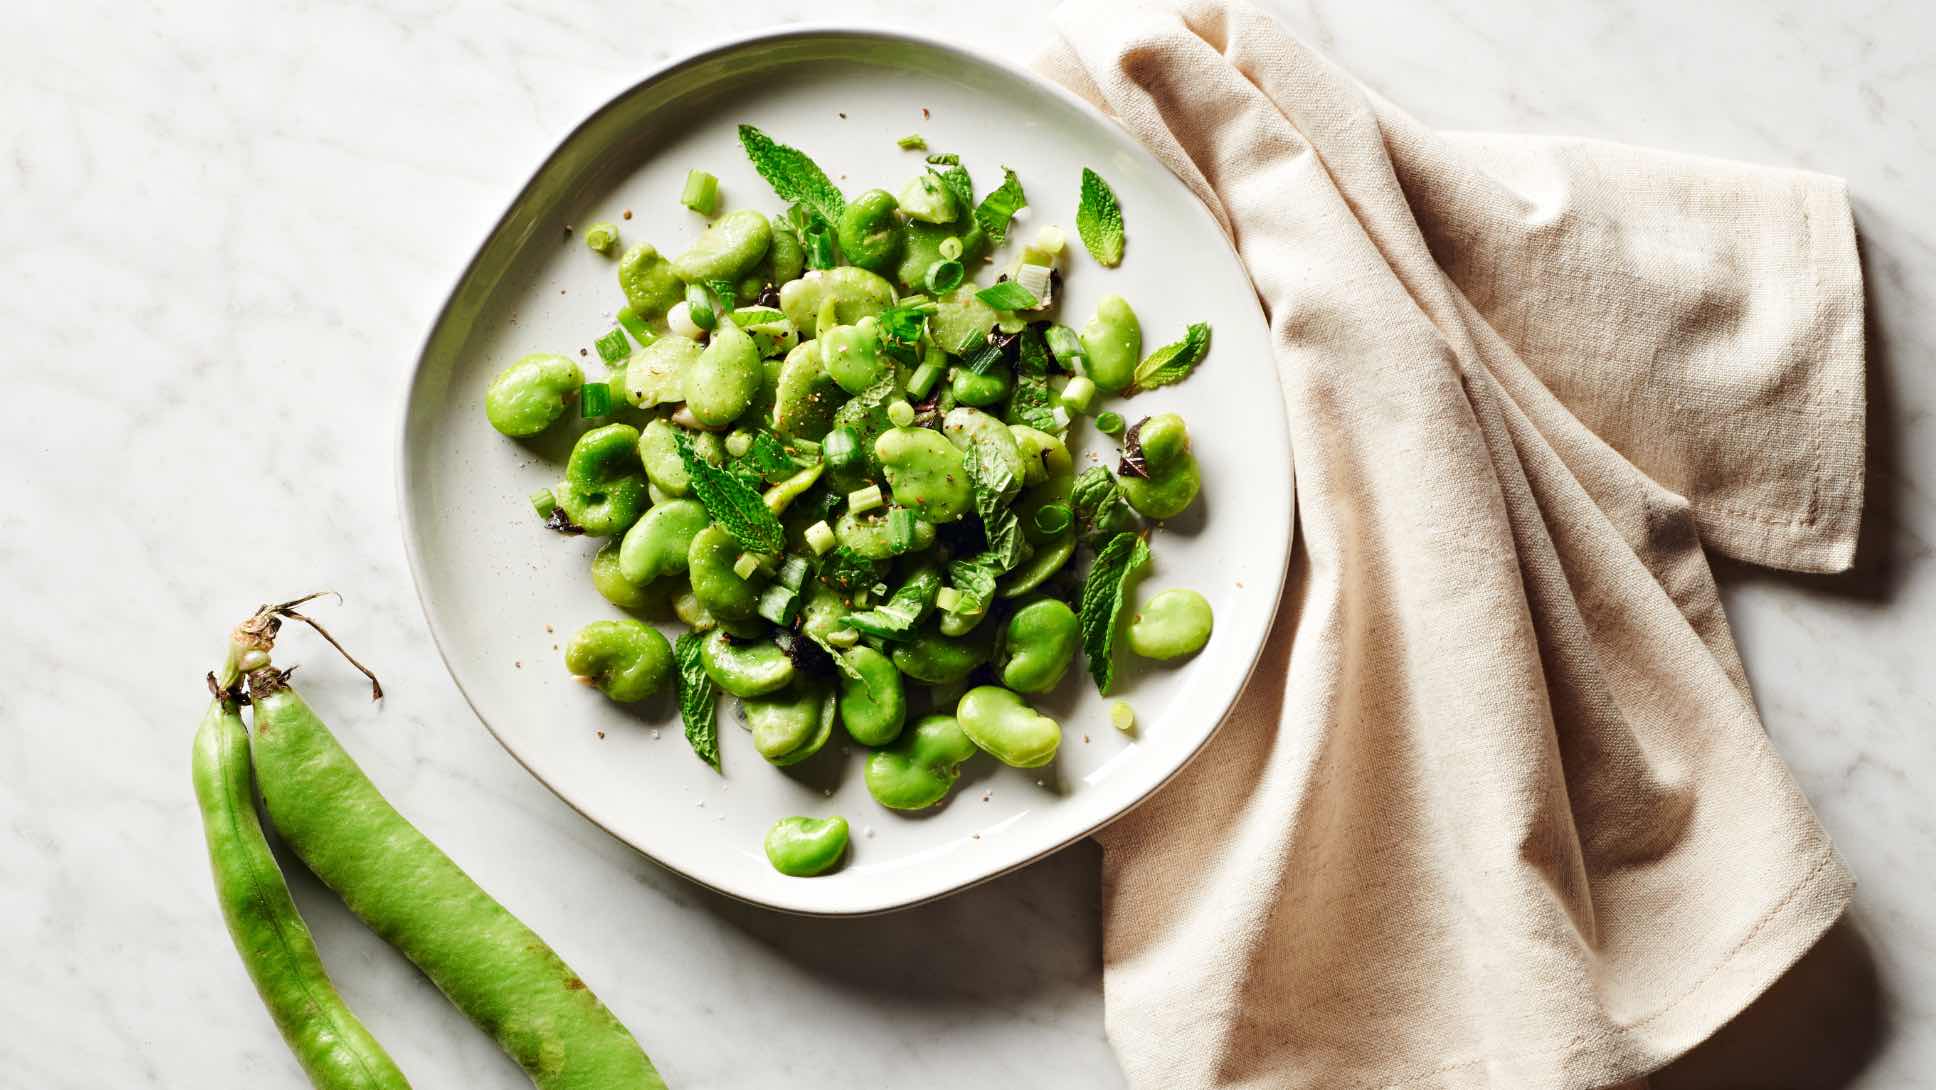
(223, 229)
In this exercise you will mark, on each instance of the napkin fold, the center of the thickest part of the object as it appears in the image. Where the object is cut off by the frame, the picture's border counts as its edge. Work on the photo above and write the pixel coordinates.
(1496, 809)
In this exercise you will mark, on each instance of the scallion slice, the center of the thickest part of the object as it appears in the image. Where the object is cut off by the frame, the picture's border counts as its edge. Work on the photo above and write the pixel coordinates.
(635, 325)
(778, 604)
(612, 347)
(793, 572)
(1053, 518)
(594, 399)
(912, 142)
(1110, 422)
(1008, 295)
(543, 501)
(1080, 394)
(1064, 345)
(860, 501)
(943, 275)
(701, 193)
(841, 447)
(699, 306)
(900, 413)
(921, 383)
(746, 565)
(820, 537)
(900, 529)
(950, 248)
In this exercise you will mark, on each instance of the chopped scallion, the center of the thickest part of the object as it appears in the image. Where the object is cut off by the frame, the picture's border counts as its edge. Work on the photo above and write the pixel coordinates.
(841, 447)
(612, 347)
(778, 604)
(820, 537)
(1064, 345)
(701, 193)
(950, 248)
(1080, 394)
(900, 528)
(1122, 716)
(793, 572)
(1053, 518)
(602, 237)
(746, 565)
(699, 307)
(943, 276)
(912, 142)
(636, 326)
(900, 413)
(1008, 295)
(544, 502)
(863, 500)
(594, 399)
(949, 600)
(921, 383)
(1110, 422)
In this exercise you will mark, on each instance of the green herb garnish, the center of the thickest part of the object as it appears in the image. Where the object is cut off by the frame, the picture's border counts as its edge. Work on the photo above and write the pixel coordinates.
(1102, 602)
(612, 347)
(1032, 355)
(892, 619)
(1099, 220)
(846, 571)
(999, 207)
(984, 356)
(793, 175)
(594, 399)
(635, 325)
(954, 176)
(1008, 295)
(731, 502)
(1173, 363)
(1100, 505)
(912, 142)
(1033, 403)
(698, 701)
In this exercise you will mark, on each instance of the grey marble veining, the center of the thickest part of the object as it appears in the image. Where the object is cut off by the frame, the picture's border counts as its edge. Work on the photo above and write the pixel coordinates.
(224, 228)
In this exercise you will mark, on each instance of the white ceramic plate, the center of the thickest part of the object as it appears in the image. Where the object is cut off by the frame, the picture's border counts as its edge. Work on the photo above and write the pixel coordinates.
(502, 593)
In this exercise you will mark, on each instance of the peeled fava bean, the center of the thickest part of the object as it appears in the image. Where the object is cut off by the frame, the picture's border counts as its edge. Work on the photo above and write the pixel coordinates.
(921, 766)
(873, 701)
(1173, 481)
(1007, 728)
(656, 546)
(720, 590)
(790, 725)
(935, 659)
(745, 669)
(725, 379)
(852, 355)
(925, 472)
(627, 660)
(647, 280)
(805, 397)
(1042, 641)
(990, 439)
(531, 394)
(659, 453)
(729, 249)
(869, 232)
(604, 488)
(656, 374)
(1172, 624)
(639, 596)
(856, 293)
(1113, 343)
(801, 847)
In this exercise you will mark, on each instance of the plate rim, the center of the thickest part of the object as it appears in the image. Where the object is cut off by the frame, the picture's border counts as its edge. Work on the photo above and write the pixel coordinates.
(712, 50)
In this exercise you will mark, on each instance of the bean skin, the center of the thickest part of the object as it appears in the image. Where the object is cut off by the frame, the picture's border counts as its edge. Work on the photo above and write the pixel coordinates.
(334, 1049)
(488, 963)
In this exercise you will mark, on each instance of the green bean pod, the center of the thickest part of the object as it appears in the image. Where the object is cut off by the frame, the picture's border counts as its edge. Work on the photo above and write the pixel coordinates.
(493, 967)
(333, 1048)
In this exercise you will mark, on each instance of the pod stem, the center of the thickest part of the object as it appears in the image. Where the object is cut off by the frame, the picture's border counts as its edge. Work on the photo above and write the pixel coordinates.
(256, 637)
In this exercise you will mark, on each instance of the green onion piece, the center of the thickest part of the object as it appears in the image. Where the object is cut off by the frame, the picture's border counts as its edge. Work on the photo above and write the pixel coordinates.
(950, 248)
(863, 500)
(738, 442)
(900, 529)
(544, 502)
(921, 383)
(943, 275)
(793, 572)
(1048, 240)
(911, 142)
(1064, 345)
(1011, 323)
(820, 537)
(843, 637)
(746, 565)
(1053, 518)
(594, 399)
(1110, 422)
(602, 237)
(1008, 295)
(983, 358)
(1122, 716)
(701, 193)
(841, 447)
(612, 347)
(636, 326)
(900, 413)
(949, 600)
(699, 307)
(1080, 394)
(818, 241)
(778, 604)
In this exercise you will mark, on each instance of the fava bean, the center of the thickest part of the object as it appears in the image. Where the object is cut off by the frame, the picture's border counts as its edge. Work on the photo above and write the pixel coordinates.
(656, 546)
(790, 725)
(604, 487)
(821, 612)
(637, 595)
(960, 321)
(709, 566)
(1004, 726)
(873, 704)
(785, 259)
(749, 669)
(852, 354)
(806, 396)
(726, 377)
(1170, 625)
(867, 534)
(728, 249)
(982, 389)
(925, 471)
(531, 394)
(1042, 640)
(656, 374)
(659, 454)
(801, 847)
(1043, 563)
(921, 766)
(928, 199)
(627, 660)
(869, 232)
(1172, 482)
(650, 287)
(930, 657)
(1113, 343)
(1043, 455)
(856, 293)
(994, 444)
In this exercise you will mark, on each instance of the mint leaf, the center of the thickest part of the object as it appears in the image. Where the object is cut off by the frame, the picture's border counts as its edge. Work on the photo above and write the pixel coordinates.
(954, 176)
(846, 571)
(999, 207)
(731, 502)
(698, 701)
(1102, 603)
(768, 456)
(1099, 220)
(1008, 295)
(1032, 352)
(1033, 404)
(792, 174)
(1173, 363)
(1100, 506)
(894, 618)
(993, 486)
(974, 577)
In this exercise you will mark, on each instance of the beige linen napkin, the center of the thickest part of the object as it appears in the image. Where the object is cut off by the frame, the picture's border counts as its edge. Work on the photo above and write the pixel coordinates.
(1496, 809)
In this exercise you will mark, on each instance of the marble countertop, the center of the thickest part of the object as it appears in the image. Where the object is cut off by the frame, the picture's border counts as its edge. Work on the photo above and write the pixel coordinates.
(224, 228)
